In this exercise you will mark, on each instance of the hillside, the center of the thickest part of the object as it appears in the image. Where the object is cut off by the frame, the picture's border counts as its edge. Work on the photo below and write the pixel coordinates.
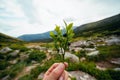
(103, 27)
(108, 26)
(6, 38)
(36, 37)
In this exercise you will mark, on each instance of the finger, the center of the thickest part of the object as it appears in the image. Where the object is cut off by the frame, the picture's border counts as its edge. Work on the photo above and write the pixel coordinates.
(51, 68)
(62, 76)
(66, 75)
(66, 64)
(57, 72)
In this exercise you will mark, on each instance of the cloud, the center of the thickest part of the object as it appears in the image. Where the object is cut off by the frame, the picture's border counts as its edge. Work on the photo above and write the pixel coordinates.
(19, 17)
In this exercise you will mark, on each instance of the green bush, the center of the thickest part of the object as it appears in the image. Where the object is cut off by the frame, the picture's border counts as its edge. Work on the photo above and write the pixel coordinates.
(115, 75)
(73, 78)
(91, 69)
(4, 73)
(20, 47)
(106, 52)
(3, 64)
(26, 77)
(15, 69)
(36, 71)
(37, 56)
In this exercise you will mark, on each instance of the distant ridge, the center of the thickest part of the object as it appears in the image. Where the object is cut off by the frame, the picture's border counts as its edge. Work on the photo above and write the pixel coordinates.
(106, 26)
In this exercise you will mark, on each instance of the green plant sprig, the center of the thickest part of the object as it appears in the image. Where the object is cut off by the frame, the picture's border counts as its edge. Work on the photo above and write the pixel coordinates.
(62, 38)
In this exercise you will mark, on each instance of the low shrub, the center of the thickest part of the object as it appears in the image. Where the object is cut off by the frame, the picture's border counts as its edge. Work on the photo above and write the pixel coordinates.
(26, 77)
(20, 47)
(15, 69)
(3, 64)
(115, 75)
(37, 56)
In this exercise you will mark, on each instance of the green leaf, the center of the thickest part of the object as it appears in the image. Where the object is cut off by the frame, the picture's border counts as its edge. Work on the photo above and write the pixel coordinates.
(69, 26)
(52, 34)
(57, 29)
(65, 23)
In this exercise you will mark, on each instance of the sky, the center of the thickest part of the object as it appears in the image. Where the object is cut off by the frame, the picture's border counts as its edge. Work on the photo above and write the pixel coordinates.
(18, 17)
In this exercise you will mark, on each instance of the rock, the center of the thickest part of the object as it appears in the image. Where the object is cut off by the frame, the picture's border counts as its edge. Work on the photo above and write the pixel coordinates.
(115, 61)
(79, 75)
(90, 49)
(116, 69)
(100, 68)
(37, 47)
(6, 78)
(72, 57)
(5, 50)
(40, 76)
(94, 53)
(33, 62)
(13, 61)
(15, 53)
(24, 56)
(113, 40)
(82, 59)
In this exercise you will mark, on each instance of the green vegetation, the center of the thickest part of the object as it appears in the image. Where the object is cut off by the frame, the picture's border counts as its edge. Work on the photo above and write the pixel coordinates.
(26, 77)
(106, 53)
(36, 55)
(13, 71)
(20, 47)
(62, 40)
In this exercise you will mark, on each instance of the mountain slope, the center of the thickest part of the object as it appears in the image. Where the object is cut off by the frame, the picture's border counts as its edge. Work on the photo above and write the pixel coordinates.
(6, 38)
(106, 26)
(36, 37)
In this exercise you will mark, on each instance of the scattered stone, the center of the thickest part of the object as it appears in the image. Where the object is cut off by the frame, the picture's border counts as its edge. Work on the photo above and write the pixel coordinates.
(13, 61)
(15, 53)
(82, 59)
(90, 49)
(24, 56)
(72, 57)
(116, 69)
(93, 53)
(41, 76)
(113, 40)
(33, 62)
(5, 50)
(6, 78)
(79, 75)
(100, 68)
(115, 61)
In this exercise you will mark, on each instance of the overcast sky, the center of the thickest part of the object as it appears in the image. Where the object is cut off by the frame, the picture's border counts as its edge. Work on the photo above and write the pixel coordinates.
(18, 17)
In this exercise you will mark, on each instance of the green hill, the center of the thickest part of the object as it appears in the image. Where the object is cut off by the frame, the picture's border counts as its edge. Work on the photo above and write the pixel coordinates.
(105, 27)
(6, 38)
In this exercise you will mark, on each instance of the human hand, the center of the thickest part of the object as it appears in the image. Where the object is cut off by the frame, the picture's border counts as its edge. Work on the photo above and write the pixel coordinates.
(57, 72)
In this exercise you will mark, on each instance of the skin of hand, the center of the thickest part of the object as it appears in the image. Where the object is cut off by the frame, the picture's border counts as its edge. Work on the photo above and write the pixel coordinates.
(57, 72)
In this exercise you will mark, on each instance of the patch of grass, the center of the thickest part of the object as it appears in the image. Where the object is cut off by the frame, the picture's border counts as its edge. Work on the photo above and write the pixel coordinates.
(20, 47)
(37, 55)
(26, 77)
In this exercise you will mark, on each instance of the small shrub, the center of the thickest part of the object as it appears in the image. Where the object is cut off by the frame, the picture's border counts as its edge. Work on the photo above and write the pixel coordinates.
(26, 77)
(3, 64)
(20, 47)
(15, 69)
(37, 56)
(115, 75)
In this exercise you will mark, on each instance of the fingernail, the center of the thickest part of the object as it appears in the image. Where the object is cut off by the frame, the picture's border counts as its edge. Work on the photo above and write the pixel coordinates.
(61, 78)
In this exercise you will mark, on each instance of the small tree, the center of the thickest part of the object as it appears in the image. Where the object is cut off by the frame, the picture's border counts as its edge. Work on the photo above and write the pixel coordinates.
(62, 38)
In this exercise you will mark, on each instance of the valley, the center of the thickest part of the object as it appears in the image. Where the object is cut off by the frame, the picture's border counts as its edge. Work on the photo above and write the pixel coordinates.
(93, 54)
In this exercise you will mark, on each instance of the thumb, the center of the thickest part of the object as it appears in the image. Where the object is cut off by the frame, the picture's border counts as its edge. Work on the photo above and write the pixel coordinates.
(57, 72)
